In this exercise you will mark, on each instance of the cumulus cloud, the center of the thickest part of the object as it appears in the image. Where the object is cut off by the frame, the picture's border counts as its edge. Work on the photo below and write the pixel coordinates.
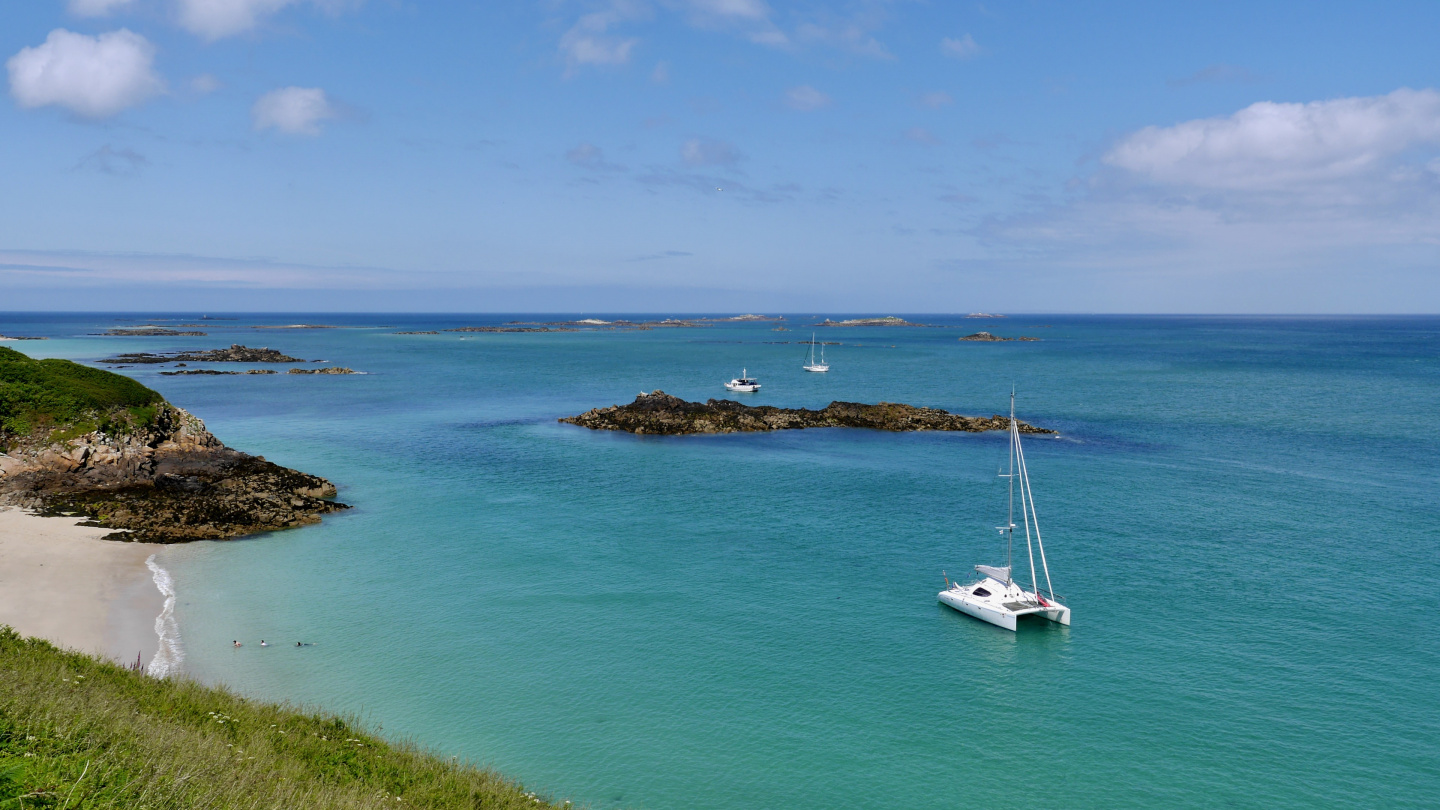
(1269, 145)
(707, 152)
(96, 77)
(963, 48)
(216, 19)
(806, 98)
(293, 110)
(96, 8)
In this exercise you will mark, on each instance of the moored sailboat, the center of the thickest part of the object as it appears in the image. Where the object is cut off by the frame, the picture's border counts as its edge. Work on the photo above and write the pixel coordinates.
(996, 597)
(812, 365)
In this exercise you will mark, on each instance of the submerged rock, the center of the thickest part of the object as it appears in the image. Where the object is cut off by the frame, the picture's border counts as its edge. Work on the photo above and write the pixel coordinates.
(661, 414)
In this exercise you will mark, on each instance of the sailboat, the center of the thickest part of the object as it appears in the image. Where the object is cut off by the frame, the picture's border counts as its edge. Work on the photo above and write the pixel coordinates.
(812, 365)
(996, 597)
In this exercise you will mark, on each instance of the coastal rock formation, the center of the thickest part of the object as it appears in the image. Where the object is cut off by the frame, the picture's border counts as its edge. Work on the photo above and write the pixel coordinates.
(235, 354)
(658, 413)
(80, 440)
(213, 372)
(326, 370)
(431, 332)
(149, 331)
(989, 338)
(509, 329)
(889, 320)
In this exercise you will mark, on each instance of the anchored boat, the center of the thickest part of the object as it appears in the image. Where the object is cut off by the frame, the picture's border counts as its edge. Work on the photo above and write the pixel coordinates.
(996, 597)
(812, 365)
(744, 384)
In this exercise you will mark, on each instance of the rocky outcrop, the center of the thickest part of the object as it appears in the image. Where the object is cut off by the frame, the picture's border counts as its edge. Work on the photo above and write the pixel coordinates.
(235, 354)
(989, 338)
(212, 372)
(658, 413)
(166, 482)
(149, 331)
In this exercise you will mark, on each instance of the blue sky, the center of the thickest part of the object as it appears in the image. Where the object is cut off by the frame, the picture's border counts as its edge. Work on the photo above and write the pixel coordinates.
(717, 155)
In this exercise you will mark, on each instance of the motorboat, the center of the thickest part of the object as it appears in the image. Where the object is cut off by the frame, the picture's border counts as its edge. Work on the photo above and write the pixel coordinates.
(996, 597)
(812, 365)
(744, 384)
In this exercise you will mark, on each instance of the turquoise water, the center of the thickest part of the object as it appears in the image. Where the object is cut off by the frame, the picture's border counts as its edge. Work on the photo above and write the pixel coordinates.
(1242, 513)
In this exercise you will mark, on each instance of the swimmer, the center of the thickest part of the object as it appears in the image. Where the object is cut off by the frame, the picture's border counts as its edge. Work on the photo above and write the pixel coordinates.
(237, 643)
(298, 644)
(263, 644)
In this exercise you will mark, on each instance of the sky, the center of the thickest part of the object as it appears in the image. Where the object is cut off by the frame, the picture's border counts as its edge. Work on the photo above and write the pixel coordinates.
(872, 156)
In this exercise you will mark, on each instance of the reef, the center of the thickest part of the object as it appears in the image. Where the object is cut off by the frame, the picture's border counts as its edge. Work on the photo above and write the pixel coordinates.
(986, 337)
(658, 413)
(235, 354)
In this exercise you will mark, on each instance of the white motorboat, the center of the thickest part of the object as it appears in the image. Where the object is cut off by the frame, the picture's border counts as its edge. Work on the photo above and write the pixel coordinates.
(812, 365)
(996, 597)
(744, 383)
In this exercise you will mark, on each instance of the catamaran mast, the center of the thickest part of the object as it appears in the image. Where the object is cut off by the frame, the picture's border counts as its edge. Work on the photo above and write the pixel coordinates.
(1025, 494)
(1010, 511)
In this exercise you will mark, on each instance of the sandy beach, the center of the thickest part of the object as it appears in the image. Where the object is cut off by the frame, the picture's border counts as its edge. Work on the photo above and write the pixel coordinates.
(60, 581)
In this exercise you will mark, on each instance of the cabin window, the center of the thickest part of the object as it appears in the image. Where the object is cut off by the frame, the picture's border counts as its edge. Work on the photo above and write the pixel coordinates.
(980, 592)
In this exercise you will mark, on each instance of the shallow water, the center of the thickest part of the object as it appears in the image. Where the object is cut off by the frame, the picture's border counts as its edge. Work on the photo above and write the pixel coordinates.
(1241, 512)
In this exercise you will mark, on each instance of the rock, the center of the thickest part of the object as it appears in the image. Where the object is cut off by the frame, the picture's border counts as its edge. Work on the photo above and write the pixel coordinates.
(987, 337)
(149, 331)
(328, 370)
(170, 481)
(661, 414)
(235, 354)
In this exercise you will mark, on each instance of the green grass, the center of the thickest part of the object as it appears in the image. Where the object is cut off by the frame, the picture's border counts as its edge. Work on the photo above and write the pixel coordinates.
(37, 394)
(80, 733)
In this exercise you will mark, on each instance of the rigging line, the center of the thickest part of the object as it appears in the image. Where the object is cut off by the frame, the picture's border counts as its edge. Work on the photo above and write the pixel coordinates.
(1024, 512)
(1025, 491)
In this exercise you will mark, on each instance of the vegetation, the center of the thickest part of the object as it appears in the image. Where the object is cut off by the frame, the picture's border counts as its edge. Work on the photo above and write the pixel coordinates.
(37, 394)
(80, 733)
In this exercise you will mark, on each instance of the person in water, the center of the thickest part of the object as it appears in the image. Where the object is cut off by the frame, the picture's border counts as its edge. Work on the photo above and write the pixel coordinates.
(237, 643)
(263, 644)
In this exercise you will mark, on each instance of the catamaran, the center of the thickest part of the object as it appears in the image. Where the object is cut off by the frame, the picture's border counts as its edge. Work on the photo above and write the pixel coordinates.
(744, 383)
(812, 365)
(996, 597)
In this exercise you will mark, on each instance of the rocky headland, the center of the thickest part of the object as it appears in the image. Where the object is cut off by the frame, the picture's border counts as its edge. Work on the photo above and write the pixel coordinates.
(658, 413)
(235, 354)
(80, 440)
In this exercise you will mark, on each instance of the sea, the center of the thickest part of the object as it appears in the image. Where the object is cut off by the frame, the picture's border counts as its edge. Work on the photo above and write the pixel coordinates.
(1242, 512)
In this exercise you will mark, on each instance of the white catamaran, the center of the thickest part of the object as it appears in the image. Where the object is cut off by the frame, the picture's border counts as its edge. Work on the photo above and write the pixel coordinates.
(812, 365)
(996, 597)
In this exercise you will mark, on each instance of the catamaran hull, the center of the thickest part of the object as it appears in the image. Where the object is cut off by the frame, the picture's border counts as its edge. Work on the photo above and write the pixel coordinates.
(1001, 617)
(998, 618)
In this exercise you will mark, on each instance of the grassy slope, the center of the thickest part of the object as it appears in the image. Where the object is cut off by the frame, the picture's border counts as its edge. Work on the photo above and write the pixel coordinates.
(59, 393)
(77, 732)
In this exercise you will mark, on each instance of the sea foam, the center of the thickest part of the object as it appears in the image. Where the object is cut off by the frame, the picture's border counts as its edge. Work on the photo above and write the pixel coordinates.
(169, 654)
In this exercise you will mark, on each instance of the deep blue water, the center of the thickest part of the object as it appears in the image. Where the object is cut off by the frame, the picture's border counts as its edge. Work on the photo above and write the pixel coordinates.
(1242, 512)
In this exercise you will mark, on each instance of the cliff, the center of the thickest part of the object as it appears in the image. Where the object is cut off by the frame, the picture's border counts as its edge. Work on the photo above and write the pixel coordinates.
(661, 414)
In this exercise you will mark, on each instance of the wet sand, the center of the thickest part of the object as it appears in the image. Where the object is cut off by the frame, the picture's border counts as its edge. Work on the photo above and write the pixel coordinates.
(61, 582)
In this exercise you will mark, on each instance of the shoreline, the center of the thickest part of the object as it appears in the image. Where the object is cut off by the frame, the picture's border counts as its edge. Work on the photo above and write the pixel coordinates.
(60, 581)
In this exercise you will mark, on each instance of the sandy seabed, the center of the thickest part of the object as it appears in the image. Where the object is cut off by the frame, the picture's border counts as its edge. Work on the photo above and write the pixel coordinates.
(60, 581)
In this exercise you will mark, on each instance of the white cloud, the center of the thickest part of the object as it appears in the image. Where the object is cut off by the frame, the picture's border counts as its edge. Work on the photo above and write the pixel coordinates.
(205, 84)
(806, 98)
(1275, 146)
(707, 152)
(588, 42)
(962, 48)
(293, 110)
(96, 8)
(216, 19)
(96, 77)
(936, 100)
